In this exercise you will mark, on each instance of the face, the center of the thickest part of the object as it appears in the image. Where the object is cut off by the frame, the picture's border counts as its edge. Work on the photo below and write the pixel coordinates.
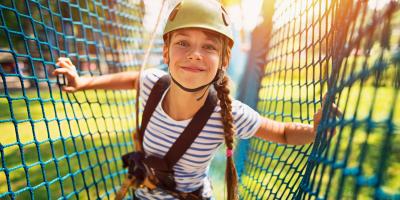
(193, 56)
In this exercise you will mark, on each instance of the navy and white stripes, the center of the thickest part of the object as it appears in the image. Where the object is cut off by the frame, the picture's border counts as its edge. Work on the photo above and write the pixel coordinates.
(191, 171)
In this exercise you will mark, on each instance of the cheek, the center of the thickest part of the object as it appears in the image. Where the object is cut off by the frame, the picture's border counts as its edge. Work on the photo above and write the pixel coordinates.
(215, 62)
(174, 57)
(176, 53)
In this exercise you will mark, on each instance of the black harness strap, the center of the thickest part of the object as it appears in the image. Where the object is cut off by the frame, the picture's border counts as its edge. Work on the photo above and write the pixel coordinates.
(191, 131)
(155, 96)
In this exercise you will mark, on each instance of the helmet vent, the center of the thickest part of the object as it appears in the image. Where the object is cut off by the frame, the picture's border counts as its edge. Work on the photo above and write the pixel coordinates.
(225, 16)
(174, 12)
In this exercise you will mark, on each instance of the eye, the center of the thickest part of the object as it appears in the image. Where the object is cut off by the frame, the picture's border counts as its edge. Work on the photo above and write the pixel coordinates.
(182, 43)
(210, 47)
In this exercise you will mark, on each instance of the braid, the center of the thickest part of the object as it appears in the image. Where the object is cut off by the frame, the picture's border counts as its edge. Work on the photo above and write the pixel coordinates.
(226, 113)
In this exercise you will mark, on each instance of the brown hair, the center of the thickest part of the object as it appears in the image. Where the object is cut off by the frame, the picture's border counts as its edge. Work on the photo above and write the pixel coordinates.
(227, 119)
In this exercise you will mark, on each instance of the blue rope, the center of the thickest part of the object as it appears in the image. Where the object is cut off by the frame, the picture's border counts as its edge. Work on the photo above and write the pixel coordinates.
(69, 152)
(69, 145)
(312, 53)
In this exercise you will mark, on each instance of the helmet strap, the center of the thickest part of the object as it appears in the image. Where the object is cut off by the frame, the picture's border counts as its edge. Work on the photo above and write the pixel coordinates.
(190, 89)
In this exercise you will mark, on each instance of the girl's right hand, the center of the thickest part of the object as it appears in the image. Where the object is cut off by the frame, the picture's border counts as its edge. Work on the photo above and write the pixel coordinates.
(75, 82)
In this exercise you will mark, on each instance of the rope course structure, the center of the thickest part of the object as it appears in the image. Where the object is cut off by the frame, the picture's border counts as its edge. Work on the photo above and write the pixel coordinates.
(348, 50)
(55, 144)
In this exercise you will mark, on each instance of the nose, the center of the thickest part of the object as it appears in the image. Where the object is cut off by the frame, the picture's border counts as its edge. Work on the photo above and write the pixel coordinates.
(194, 54)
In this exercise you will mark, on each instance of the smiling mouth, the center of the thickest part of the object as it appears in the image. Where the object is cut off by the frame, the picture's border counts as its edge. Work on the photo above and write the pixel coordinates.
(192, 69)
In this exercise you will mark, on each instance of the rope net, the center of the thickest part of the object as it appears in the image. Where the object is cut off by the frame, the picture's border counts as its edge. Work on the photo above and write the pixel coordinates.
(348, 50)
(56, 144)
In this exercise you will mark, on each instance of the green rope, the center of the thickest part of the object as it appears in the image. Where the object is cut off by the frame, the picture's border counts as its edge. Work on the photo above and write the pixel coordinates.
(54, 144)
(348, 50)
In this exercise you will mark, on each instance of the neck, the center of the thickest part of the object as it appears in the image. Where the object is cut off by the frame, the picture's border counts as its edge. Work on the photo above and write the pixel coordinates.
(182, 105)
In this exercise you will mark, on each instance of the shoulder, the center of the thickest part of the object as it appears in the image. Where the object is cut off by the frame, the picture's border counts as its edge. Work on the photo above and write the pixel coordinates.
(239, 110)
(148, 79)
(238, 107)
(246, 119)
(152, 75)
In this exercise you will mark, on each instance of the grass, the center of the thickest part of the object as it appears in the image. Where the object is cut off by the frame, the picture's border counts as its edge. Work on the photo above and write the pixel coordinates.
(351, 162)
(84, 165)
(75, 153)
(72, 145)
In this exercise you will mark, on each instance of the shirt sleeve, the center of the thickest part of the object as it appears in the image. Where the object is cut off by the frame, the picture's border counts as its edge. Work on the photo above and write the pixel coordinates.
(247, 121)
(148, 79)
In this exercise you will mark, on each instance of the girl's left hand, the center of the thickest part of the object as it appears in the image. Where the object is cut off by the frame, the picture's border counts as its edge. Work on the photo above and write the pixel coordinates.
(335, 112)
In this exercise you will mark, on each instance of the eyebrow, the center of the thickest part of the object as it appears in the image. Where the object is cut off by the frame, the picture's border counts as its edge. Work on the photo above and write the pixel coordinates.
(214, 39)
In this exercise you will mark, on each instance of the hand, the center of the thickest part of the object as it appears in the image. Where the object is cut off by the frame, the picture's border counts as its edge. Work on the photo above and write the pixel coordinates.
(335, 112)
(75, 82)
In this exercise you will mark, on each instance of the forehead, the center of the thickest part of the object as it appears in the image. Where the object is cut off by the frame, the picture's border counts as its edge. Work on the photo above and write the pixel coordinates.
(198, 32)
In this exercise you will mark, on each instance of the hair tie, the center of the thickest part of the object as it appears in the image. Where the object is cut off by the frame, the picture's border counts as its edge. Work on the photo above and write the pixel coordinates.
(229, 153)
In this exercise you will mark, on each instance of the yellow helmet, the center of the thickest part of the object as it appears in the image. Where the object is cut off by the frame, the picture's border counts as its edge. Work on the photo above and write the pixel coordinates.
(206, 14)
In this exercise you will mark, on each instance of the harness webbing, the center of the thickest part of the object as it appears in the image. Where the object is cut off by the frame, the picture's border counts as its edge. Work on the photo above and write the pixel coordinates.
(190, 132)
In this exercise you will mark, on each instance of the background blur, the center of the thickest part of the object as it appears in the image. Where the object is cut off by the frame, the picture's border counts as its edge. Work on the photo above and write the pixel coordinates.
(287, 55)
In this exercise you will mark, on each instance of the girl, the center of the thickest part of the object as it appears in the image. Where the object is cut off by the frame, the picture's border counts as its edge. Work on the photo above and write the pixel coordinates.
(197, 46)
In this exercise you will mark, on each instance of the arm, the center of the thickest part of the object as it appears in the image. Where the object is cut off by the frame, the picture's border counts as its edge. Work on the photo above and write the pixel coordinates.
(293, 132)
(117, 81)
(286, 133)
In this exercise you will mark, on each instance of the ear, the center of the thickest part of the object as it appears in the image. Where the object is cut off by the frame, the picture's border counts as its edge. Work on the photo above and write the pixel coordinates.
(165, 54)
(225, 64)
(225, 67)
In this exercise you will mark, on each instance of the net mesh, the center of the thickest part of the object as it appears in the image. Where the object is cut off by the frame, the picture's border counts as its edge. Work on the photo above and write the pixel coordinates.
(56, 144)
(348, 50)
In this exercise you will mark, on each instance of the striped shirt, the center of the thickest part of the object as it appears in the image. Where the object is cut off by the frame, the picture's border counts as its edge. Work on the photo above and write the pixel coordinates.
(191, 171)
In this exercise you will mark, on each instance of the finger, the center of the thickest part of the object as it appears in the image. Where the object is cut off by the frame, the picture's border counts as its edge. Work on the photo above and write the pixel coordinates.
(58, 71)
(64, 71)
(317, 117)
(336, 111)
(68, 60)
(324, 99)
(334, 108)
(60, 59)
(68, 89)
(66, 65)
(61, 63)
